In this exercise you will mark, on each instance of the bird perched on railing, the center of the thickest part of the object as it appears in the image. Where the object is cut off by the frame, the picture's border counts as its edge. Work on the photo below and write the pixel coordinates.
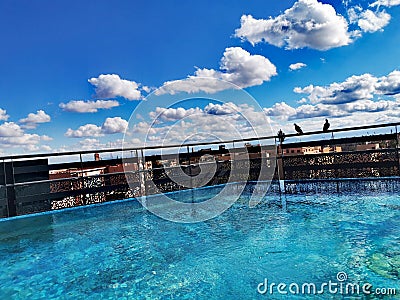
(326, 126)
(298, 129)
(281, 136)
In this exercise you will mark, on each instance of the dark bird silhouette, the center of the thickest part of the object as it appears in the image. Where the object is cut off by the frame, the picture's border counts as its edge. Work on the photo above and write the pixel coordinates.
(326, 125)
(298, 129)
(281, 136)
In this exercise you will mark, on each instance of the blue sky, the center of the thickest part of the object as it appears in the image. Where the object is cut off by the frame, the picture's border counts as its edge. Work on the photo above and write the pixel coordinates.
(55, 53)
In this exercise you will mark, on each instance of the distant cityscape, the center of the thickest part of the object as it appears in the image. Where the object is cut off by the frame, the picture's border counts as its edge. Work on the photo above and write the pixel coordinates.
(222, 154)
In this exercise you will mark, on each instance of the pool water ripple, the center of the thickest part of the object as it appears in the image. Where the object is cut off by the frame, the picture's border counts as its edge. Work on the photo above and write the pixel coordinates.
(121, 250)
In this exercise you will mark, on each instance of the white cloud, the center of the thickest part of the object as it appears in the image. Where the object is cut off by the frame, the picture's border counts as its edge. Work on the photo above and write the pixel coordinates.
(297, 66)
(355, 97)
(173, 114)
(280, 110)
(349, 120)
(32, 120)
(94, 144)
(13, 136)
(370, 106)
(90, 144)
(221, 109)
(111, 85)
(368, 20)
(319, 110)
(45, 148)
(110, 126)
(302, 101)
(388, 3)
(147, 89)
(215, 121)
(3, 115)
(308, 23)
(352, 89)
(356, 87)
(26, 141)
(283, 112)
(10, 129)
(114, 125)
(237, 67)
(390, 84)
(180, 113)
(46, 138)
(88, 130)
(81, 106)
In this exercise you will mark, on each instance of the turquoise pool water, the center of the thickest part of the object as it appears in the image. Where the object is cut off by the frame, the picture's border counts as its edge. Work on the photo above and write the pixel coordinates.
(121, 251)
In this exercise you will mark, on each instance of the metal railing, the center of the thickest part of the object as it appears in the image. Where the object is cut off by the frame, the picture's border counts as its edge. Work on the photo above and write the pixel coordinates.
(29, 183)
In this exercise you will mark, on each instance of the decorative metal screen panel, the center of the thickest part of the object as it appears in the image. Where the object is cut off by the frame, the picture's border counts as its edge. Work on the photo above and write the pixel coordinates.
(358, 164)
(3, 202)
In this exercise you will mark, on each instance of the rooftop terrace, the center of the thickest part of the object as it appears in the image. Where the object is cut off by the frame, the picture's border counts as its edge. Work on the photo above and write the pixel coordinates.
(40, 182)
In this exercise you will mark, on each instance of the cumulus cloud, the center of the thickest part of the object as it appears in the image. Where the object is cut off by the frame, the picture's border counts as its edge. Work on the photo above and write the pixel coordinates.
(10, 129)
(221, 109)
(32, 120)
(370, 106)
(180, 113)
(368, 20)
(90, 144)
(3, 115)
(308, 23)
(13, 136)
(390, 84)
(29, 142)
(173, 114)
(297, 66)
(387, 3)
(282, 111)
(111, 85)
(352, 89)
(88, 130)
(110, 126)
(312, 111)
(237, 66)
(81, 106)
(354, 95)
(114, 125)
(350, 120)
(356, 87)
(213, 122)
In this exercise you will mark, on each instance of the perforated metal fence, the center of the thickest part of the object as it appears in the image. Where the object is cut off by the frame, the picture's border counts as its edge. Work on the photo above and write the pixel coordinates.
(34, 183)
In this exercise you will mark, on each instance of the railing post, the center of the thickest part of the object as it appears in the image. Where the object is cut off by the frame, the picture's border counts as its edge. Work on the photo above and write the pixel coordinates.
(138, 172)
(190, 175)
(282, 166)
(233, 151)
(189, 166)
(278, 168)
(82, 180)
(144, 171)
(397, 152)
(3, 184)
(9, 182)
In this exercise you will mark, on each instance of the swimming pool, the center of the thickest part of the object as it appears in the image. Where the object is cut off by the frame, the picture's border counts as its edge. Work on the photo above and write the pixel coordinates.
(122, 251)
